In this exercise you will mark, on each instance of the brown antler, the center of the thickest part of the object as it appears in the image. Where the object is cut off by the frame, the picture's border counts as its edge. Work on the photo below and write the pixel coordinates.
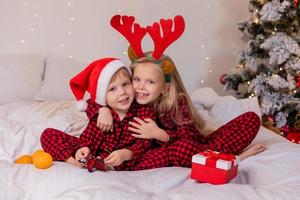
(168, 37)
(134, 36)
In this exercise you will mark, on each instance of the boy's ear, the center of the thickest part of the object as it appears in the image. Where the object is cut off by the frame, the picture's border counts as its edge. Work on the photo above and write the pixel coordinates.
(166, 88)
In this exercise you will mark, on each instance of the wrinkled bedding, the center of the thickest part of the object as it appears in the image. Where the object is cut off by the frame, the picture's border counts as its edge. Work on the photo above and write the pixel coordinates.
(273, 174)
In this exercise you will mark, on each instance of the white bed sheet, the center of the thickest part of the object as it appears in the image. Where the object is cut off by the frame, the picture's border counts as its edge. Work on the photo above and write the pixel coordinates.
(273, 174)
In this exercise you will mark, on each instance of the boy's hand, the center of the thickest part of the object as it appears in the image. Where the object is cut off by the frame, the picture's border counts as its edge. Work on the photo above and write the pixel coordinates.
(105, 119)
(83, 152)
(117, 157)
(147, 129)
(74, 162)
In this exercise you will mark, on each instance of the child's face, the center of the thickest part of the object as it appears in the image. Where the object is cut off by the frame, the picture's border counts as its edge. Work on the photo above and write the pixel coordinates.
(120, 94)
(147, 83)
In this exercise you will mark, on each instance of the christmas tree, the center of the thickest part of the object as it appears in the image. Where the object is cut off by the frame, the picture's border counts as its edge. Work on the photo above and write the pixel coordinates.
(269, 66)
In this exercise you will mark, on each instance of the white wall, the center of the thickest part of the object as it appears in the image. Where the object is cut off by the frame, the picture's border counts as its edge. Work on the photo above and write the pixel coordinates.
(80, 28)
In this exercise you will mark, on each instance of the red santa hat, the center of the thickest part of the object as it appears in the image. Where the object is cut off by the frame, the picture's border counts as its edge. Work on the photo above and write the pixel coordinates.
(95, 79)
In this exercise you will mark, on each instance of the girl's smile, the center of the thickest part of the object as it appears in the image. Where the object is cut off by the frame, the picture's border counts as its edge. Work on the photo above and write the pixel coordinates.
(147, 85)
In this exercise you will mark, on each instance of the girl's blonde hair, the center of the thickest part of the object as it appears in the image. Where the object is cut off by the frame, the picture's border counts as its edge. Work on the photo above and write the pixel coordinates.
(169, 102)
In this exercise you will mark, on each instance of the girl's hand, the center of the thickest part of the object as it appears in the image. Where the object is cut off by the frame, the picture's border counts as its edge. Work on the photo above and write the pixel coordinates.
(83, 152)
(147, 129)
(105, 119)
(117, 157)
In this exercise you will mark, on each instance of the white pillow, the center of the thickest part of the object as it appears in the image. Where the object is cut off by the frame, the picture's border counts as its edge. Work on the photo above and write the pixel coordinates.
(58, 72)
(206, 97)
(224, 111)
(218, 110)
(20, 77)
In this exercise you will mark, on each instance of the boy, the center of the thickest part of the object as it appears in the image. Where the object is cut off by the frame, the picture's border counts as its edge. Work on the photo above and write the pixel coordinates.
(108, 82)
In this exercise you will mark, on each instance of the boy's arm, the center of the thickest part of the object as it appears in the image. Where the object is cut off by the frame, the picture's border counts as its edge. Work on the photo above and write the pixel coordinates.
(91, 137)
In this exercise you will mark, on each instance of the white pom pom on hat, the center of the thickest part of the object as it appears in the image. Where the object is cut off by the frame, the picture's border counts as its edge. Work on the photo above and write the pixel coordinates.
(81, 105)
(95, 79)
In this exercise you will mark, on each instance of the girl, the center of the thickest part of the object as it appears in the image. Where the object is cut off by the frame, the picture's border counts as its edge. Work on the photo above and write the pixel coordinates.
(180, 131)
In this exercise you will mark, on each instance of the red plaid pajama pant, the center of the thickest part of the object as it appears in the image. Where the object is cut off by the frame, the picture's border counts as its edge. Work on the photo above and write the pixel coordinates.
(59, 144)
(232, 137)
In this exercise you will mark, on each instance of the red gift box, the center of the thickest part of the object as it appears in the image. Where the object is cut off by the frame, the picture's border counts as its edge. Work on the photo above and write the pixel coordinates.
(214, 167)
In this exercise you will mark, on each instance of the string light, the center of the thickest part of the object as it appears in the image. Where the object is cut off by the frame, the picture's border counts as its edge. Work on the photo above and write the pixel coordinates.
(33, 29)
(125, 52)
(202, 81)
(256, 20)
(210, 71)
(207, 58)
(240, 66)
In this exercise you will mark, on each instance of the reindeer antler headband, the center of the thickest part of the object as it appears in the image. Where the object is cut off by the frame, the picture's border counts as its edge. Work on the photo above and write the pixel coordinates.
(124, 24)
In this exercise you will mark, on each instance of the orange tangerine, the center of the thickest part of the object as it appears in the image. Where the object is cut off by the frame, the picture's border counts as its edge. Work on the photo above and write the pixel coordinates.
(25, 159)
(37, 152)
(42, 159)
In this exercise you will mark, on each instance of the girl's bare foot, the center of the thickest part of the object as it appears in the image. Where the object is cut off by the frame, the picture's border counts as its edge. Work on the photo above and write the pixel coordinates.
(252, 150)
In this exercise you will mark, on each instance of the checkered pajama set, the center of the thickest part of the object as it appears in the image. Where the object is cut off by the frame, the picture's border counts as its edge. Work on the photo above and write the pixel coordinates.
(62, 146)
(185, 140)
